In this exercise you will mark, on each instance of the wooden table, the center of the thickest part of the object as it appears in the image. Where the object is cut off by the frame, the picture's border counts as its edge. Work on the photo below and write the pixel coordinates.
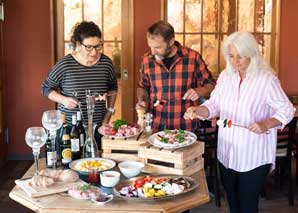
(63, 203)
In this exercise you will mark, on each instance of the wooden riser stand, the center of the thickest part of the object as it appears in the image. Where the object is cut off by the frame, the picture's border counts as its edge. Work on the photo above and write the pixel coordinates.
(182, 161)
(122, 149)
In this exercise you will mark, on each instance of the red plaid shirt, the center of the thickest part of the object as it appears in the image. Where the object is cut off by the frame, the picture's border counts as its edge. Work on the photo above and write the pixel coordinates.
(168, 86)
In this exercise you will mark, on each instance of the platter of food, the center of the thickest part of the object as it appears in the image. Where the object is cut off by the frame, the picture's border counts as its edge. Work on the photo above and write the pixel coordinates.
(154, 187)
(87, 191)
(172, 139)
(119, 129)
(84, 191)
(83, 165)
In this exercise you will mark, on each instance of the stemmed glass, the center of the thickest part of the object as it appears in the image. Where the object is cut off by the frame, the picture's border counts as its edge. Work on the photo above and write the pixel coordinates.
(52, 121)
(35, 138)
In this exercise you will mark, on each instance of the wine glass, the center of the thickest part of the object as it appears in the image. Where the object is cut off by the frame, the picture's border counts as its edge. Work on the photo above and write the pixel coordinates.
(35, 138)
(52, 121)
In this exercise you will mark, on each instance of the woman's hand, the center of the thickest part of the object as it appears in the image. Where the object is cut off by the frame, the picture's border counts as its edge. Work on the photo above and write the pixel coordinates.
(192, 113)
(258, 127)
(107, 117)
(70, 103)
(200, 112)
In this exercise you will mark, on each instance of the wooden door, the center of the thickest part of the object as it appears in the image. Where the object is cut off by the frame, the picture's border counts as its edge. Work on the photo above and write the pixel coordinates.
(2, 141)
(115, 19)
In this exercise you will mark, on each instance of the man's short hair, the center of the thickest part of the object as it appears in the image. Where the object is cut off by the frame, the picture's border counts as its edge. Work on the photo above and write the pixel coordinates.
(163, 29)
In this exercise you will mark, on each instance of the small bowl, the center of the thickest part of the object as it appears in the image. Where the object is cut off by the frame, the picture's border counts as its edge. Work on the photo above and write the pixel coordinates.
(102, 200)
(109, 178)
(130, 168)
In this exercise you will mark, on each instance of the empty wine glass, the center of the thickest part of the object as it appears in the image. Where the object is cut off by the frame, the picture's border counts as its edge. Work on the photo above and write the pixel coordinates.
(52, 121)
(35, 138)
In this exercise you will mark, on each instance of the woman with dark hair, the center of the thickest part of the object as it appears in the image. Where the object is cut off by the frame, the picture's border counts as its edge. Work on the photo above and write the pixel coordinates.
(250, 95)
(86, 68)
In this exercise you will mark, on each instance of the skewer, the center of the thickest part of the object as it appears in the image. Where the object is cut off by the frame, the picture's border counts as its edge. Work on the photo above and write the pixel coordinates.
(222, 122)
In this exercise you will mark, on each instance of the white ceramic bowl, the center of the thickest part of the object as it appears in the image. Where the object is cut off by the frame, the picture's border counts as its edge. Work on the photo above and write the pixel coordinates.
(106, 199)
(130, 168)
(109, 178)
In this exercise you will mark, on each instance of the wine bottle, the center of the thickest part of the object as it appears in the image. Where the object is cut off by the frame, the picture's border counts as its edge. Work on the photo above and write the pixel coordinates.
(81, 129)
(75, 139)
(50, 153)
(64, 130)
(66, 151)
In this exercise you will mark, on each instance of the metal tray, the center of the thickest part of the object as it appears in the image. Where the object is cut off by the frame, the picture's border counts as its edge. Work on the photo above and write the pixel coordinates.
(193, 185)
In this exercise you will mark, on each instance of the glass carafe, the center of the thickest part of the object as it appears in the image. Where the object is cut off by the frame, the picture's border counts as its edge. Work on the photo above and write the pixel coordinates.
(90, 149)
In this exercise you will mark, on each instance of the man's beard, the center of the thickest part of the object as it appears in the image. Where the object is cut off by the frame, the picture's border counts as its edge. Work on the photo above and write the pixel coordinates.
(168, 51)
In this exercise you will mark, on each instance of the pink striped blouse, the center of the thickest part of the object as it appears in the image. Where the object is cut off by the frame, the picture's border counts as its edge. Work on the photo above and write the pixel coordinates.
(256, 99)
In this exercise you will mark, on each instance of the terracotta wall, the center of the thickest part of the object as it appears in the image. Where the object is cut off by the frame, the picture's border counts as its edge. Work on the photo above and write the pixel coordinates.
(27, 52)
(145, 14)
(28, 58)
(288, 64)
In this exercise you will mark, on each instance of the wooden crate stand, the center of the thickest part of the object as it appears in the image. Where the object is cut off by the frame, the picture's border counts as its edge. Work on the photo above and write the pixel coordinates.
(122, 149)
(183, 161)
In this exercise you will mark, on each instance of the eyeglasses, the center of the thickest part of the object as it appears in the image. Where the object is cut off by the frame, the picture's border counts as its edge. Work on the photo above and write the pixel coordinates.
(89, 48)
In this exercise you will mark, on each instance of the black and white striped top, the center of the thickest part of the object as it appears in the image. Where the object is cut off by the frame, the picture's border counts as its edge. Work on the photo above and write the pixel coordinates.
(68, 76)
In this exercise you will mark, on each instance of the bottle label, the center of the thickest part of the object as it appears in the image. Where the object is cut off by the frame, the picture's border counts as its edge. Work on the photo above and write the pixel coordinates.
(51, 158)
(66, 156)
(82, 140)
(75, 144)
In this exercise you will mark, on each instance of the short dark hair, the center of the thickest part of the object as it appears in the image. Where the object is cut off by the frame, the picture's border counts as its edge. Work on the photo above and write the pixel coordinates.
(84, 30)
(163, 29)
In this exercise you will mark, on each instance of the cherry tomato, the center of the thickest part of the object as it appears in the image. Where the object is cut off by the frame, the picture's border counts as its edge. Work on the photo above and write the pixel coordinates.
(113, 132)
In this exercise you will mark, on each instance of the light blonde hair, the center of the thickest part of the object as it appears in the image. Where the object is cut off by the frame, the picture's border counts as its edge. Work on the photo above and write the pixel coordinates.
(247, 46)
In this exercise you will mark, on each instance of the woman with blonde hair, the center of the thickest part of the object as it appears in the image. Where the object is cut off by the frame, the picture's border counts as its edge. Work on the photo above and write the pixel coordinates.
(250, 95)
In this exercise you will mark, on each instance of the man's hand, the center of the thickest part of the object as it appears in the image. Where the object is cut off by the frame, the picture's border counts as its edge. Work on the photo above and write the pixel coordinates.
(191, 94)
(141, 105)
(70, 103)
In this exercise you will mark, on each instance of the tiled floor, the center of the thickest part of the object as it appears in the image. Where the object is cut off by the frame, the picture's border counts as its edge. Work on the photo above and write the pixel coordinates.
(275, 201)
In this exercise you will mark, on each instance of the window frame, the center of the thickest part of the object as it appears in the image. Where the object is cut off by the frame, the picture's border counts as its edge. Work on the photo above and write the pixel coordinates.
(275, 31)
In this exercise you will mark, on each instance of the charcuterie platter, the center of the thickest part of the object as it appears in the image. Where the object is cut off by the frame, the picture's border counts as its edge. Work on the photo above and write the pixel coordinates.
(119, 129)
(172, 139)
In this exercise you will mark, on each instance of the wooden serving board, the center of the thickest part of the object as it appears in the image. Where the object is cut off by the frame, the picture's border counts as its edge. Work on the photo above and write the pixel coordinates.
(56, 187)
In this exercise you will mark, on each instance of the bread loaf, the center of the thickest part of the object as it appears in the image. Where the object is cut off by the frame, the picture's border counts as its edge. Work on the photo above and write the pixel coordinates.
(40, 181)
(60, 175)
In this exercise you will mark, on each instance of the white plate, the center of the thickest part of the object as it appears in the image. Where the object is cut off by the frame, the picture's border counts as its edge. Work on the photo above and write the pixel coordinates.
(153, 139)
(73, 164)
(78, 198)
(118, 137)
(94, 188)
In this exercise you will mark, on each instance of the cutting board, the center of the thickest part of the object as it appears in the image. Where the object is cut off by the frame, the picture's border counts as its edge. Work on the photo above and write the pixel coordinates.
(56, 187)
